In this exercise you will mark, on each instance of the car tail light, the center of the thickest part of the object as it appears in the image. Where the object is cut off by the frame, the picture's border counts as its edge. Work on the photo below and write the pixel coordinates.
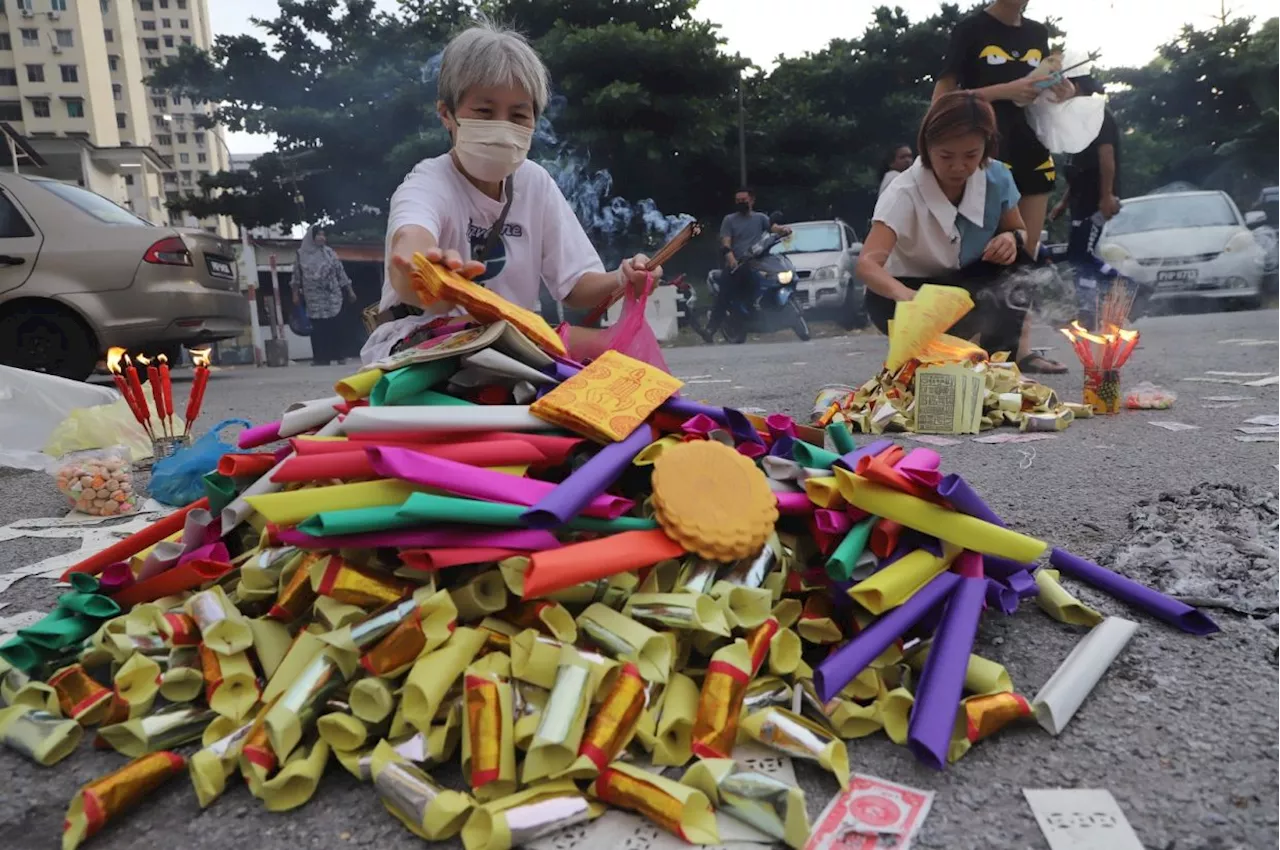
(170, 251)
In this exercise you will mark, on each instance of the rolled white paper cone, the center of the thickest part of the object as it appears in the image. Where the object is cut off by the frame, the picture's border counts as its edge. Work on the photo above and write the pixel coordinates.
(1077, 676)
(782, 469)
(308, 415)
(784, 486)
(500, 417)
(239, 510)
(497, 362)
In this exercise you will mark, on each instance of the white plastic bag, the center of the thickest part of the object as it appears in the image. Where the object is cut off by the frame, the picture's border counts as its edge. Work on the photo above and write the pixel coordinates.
(1067, 127)
(31, 406)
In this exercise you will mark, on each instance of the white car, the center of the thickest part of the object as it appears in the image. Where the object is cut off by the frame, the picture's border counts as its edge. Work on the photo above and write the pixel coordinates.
(824, 254)
(1186, 245)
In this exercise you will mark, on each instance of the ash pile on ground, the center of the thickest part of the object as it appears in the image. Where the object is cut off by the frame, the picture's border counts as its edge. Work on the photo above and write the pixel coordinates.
(1214, 547)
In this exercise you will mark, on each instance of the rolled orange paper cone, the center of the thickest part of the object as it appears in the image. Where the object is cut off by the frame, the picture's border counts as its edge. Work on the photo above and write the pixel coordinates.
(133, 544)
(430, 560)
(556, 569)
(880, 469)
(884, 538)
(189, 576)
(245, 465)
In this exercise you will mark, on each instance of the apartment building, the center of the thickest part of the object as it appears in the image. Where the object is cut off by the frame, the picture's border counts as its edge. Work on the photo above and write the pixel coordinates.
(72, 81)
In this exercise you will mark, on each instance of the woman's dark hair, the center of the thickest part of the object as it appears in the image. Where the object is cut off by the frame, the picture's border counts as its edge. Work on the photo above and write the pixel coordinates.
(958, 113)
(887, 164)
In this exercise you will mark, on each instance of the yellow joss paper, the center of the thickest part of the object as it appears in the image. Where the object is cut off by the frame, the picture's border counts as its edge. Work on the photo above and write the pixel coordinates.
(682, 810)
(223, 628)
(172, 726)
(413, 798)
(888, 588)
(107, 797)
(481, 596)
(488, 735)
(937, 521)
(359, 385)
(1056, 601)
(524, 817)
(696, 611)
(627, 640)
(744, 607)
(982, 676)
(770, 805)
(799, 737)
(673, 735)
(895, 703)
(137, 682)
(371, 700)
(919, 321)
(609, 398)
(45, 738)
(784, 653)
(433, 674)
(564, 719)
(296, 781)
(291, 507)
(213, 764)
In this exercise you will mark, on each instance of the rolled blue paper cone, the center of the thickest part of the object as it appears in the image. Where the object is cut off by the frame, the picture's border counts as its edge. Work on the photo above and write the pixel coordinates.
(1175, 613)
(686, 409)
(740, 427)
(964, 499)
(841, 666)
(572, 495)
(1001, 597)
(996, 567)
(937, 698)
(850, 460)
(1021, 583)
(782, 446)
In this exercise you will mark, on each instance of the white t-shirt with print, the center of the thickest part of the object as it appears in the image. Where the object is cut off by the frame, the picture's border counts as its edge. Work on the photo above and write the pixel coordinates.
(542, 239)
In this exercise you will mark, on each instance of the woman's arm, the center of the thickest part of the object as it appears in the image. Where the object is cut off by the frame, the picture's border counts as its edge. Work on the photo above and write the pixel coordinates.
(594, 287)
(876, 249)
(1003, 247)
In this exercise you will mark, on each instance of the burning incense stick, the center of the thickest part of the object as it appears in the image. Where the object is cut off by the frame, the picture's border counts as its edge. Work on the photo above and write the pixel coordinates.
(664, 255)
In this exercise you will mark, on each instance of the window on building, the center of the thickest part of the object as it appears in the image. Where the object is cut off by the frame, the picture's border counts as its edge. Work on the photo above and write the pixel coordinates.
(184, 158)
(117, 91)
(164, 4)
(158, 102)
(10, 110)
(58, 5)
(182, 138)
(35, 73)
(154, 63)
(8, 76)
(105, 6)
(166, 23)
(147, 5)
(182, 4)
(70, 74)
(149, 26)
(122, 120)
(186, 39)
(152, 44)
(168, 41)
(65, 38)
(157, 90)
(159, 121)
(180, 120)
(200, 139)
(25, 6)
(75, 107)
(128, 180)
(177, 100)
(109, 36)
(30, 37)
(186, 176)
(202, 157)
(6, 42)
(113, 62)
(40, 107)
(164, 139)
(184, 24)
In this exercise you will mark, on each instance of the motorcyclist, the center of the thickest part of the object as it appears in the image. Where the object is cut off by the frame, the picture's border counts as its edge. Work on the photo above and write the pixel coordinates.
(738, 232)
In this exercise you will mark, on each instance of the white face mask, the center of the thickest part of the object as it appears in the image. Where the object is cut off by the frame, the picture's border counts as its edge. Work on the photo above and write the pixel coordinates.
(491, 150)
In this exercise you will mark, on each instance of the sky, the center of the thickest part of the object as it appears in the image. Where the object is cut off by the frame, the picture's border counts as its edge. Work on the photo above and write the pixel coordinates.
(1127, 32)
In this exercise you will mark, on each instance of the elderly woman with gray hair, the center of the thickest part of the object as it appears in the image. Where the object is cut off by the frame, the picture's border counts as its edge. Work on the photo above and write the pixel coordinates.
(483, 209)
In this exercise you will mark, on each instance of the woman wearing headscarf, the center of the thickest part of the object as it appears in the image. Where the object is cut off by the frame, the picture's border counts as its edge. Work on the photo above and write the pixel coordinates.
(483, 209)
(898, 161)
(320, 280)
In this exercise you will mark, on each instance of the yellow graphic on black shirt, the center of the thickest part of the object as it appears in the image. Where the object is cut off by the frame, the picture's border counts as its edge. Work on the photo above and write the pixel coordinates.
(1050, 173)
(994, 54)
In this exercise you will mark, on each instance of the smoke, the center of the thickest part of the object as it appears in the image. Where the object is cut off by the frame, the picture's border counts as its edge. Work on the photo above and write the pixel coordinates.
(615, 225)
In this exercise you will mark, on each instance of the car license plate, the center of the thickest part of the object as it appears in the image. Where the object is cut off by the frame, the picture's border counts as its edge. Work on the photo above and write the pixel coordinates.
(221, 268)
(1178, 276)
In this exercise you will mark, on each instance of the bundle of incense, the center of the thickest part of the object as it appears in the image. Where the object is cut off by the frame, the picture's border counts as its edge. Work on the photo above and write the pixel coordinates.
(661, 257)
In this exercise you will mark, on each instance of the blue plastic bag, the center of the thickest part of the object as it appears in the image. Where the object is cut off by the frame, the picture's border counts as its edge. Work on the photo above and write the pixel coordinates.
(179, 480)
(299, 321)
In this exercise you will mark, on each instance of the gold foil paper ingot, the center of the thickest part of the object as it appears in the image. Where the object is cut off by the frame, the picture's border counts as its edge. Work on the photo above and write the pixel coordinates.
(525, 817)
(180, 629)
(80, 696)
(547, 616)
(755, 570)
(768, 804)
(299, 706)
(758, 641)
(413, 798)
(843, 714)
(169, 727)
(982, 716)
(297, 594)
(673, 735)
(766, 691)
(564, 718)
(626, 640)
(352, 585)
(488, 736)
(715, 726)
(109, 796)
(43, 737)
(799, 737)
(613, 724)
(679, 809)
(230, 683)
(222, 627)
(688, 611)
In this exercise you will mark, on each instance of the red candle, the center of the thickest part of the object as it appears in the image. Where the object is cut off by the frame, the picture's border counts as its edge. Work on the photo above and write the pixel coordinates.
(157, 393)
(201, 380)
(166, 387)
(135, 385)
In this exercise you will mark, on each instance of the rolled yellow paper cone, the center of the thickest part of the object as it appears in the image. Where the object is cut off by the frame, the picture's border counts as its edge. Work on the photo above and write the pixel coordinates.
(434, 673)
(294, 784)
(488, 735)
(563, 719)
(768, 804)
(335, 614)
(44, 737)
(222, 627)
(371, 700)
(982, 676)
(527, 704)
(271, 641)
(211, 766)
(626, 640)
(890, 587)
(959, 529)
(413, 798)
(1056, 601)
(799, 737)
(650, 453)
(545, 615)
(299, 705)
(107, 797)
(784, 653)
(170, 727)
(686, 611)
(291, 507)
(744, 607)
(183, 676)
(230, 682)
(345, 733)
(673, 735)
(536, 657)
(787, 612)
(521, 818)
(682, 810)
(359, 385)
(137, 682)
(481, 596)
(824, 492)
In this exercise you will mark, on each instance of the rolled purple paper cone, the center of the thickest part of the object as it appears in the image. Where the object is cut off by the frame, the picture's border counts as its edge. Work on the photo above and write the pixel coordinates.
(741, 428)
(942, 681)
(544, 389)
(850, 461)
(525, 540)
(832, 522)
(782, 446)
(1002, 568)
(840, 668)
(1000, 597)
(904, 548)
(840, 599)
(1175, 613)
(1022, 583)
(259, 435)
(572, 495)
(683, 408)
(964, 499)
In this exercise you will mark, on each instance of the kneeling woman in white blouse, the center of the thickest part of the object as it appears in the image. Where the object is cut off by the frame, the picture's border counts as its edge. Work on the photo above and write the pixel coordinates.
(952, 218)
(483, 209)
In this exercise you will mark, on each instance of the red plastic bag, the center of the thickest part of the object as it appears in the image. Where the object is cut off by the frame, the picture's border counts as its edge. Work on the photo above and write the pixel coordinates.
(631, 335)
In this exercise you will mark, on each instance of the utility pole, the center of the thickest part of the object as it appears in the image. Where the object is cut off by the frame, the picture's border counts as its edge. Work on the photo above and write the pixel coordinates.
(742, 136)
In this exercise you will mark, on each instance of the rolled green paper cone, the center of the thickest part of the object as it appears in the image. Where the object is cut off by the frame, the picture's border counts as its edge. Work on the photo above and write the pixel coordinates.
(89, 605)
(62, 628)
(356, 521)
(811, 456)
(405, 386)
(838, 433)
(84, 583)
(21, 654)
(843, 560)
(439, 399)
(221, 491)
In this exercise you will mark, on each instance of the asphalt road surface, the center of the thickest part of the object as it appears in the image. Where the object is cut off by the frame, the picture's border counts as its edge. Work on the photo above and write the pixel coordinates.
(1182, 730)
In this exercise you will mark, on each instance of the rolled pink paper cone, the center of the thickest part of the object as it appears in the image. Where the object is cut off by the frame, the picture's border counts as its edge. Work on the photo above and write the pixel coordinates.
(700, 425)
(968, 564)
(259, 435)
(832, 522)
(794, 504)
(752, 450)
(525, 540)
(215, 551)
(283, 452)
(922, 467)
(115, 577)
(780, 423)
(474, 482)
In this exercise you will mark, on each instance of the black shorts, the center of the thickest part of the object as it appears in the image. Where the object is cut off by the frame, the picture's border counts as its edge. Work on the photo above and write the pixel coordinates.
(1030, 161)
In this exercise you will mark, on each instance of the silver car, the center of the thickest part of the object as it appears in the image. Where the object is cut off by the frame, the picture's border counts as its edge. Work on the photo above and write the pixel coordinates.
(824, 254)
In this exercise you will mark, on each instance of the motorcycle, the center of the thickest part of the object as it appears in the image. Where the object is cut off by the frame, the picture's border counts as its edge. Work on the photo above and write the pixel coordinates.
(769, 281)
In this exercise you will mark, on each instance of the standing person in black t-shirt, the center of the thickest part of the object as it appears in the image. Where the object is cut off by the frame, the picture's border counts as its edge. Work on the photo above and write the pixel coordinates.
(992, 53)
(1093, 198)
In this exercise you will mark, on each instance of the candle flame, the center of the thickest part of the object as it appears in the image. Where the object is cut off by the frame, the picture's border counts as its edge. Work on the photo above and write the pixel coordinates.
(1128, 334)
(1068, 334)
(144, 360)
(113, 359)
(200, 356)
(164, 361)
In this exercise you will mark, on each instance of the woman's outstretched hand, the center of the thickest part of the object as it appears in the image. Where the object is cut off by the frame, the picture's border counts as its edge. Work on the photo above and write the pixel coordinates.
(1002, 250)
(635, 272)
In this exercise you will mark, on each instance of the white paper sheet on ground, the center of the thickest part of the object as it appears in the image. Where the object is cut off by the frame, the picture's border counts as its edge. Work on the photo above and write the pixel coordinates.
(1222, 398)
(1265, 419)
(93, 537)
(1257, 429)
(1264, 382)
(1194, 380)
(1077, 676)
(1247, 341)
(1014, 437)
(1081, 819)
(1237, 374)
(933, 440)
(9, 625)
(1272, 437)
(619, 830)
(1174, 426)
